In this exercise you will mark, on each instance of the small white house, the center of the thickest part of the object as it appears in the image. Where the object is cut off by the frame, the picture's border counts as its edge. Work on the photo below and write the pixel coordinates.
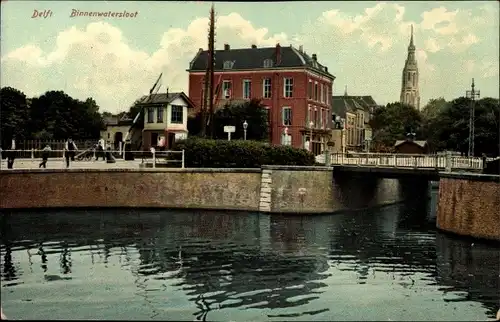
(165, 118)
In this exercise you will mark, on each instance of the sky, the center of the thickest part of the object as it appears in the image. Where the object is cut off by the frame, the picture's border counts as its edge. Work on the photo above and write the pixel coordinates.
(364, 44)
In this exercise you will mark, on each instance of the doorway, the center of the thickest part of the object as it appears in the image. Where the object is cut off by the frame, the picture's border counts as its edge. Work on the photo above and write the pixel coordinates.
(170, 140)
(118, 139)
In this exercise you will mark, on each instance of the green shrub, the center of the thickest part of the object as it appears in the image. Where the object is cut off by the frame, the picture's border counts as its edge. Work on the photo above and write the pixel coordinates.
(204, 153)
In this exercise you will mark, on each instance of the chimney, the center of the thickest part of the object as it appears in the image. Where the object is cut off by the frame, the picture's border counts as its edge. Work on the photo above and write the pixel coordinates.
(301, 49)
(254, 46)
(200, 50)
(315, 57)
(226, 47)
(278, 54)
(167, 92)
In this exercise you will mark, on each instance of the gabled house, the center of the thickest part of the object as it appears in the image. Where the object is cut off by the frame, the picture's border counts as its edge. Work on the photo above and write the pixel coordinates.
(165, 116)
(355, 113)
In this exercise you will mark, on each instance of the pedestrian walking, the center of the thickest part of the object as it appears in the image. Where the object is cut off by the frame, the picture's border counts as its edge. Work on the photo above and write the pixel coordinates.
(45, 156)
(100, 152)
(69, 151)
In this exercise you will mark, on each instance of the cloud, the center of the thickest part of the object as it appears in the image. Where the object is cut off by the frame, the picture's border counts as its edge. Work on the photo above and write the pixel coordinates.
(98, 61)
(365, 51)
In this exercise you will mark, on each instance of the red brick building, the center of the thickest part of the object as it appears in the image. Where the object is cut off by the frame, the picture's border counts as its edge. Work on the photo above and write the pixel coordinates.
(295, 88)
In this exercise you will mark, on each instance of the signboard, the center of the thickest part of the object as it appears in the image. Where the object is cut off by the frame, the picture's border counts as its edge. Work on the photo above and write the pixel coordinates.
(229, 129)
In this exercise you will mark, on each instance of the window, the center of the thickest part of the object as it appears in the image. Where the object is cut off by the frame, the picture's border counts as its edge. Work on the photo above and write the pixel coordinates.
(316, 91)
(321, 113)
(151, 115)
(286, 115)
(159, 114)
(268, 63)
(226, 89)
(322, 94)
(328, 95)
(409, 77)
(247, 89)
(310, 89)
(316, 117)
(414, 81)
(267, 88)
(177, 114)
(288, 87)
(407, 98)
(308, 115)
(228, 64)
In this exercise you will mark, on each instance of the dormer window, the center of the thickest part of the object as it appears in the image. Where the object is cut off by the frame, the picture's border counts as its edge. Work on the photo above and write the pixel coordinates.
(268, 63)
(228, 64)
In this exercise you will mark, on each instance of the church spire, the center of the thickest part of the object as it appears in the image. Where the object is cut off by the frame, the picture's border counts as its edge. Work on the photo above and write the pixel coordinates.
(411, 37)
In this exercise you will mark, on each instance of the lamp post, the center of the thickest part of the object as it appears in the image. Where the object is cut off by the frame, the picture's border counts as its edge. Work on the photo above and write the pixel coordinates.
(245, 126)
(311, 124)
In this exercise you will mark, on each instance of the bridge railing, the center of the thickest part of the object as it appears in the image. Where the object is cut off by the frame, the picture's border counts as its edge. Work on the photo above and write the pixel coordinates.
(153, 157)
(403, 160)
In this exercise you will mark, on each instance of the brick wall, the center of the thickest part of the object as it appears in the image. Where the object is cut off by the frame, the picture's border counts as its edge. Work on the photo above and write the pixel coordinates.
(166, 188)
(469, 204)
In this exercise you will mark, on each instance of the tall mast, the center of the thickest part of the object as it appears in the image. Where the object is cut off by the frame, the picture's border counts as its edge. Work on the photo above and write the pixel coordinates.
(211, 63)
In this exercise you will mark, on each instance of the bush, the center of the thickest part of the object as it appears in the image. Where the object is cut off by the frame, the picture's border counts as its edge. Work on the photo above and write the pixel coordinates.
(204, 153)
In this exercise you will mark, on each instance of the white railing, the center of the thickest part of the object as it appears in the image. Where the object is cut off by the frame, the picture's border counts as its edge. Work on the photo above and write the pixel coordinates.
(89, 156)
(403, 160)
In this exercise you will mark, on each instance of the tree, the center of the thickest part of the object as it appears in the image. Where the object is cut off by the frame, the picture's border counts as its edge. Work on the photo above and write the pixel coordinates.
(433, 108)
(60, 116)
(14, 115)
(253, 112)
(392, 122)
(450, 129)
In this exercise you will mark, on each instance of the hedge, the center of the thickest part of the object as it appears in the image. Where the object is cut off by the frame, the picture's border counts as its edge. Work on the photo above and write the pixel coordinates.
(204, 153)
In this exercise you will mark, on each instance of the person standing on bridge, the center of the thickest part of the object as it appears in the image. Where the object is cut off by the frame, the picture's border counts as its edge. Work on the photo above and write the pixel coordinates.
(69, 151)
(11, 155)
(45, 156)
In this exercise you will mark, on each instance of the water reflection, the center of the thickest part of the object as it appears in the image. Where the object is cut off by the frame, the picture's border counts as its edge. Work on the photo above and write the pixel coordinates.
(247, 266)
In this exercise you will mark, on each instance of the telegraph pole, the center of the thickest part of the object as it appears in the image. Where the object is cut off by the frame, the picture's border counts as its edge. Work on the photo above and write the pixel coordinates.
(211, 66)
(472, 95)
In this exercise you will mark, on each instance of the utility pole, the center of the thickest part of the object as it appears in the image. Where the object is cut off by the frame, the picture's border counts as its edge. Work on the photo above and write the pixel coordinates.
(211, 66)
(472, 95)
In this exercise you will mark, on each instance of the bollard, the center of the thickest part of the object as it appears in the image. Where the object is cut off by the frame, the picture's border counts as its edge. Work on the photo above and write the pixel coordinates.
(154, 159)
(182, 164)
(32, 153)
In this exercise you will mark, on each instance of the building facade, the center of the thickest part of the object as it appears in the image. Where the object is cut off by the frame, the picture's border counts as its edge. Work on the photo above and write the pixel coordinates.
(352, 129)
(295, 88)
(410, 93)
(165, 117)
(116, 128)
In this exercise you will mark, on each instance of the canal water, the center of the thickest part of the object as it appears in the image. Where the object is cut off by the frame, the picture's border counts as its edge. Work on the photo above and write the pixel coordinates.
(381, 264)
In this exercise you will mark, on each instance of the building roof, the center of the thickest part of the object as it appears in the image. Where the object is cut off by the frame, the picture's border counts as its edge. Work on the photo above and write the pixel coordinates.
(253, 58)
(116, 120)
(421, 144)
(164, 98)
(345, 103)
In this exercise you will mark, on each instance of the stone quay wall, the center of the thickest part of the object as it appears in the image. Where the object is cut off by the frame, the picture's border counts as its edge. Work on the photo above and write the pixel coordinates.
(272, 189)
(469, 205)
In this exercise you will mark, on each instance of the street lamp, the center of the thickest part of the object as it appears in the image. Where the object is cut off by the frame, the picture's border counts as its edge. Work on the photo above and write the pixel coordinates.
(311, 124)
(472, 95)
(245, 126)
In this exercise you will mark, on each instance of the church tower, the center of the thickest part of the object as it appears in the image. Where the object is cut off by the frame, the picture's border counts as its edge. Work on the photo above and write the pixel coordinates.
(409, 88)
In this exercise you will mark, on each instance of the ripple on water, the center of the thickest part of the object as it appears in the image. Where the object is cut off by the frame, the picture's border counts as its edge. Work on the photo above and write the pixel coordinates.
(186, 266)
